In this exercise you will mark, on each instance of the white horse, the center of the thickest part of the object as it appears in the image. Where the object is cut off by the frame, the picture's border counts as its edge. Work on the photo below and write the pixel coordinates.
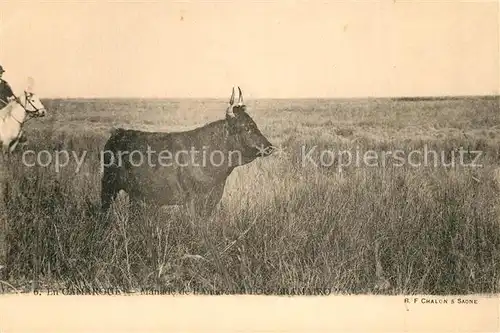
(13, 116)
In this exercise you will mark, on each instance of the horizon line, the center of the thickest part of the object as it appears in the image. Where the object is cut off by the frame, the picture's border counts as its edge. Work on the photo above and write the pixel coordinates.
(409, 97)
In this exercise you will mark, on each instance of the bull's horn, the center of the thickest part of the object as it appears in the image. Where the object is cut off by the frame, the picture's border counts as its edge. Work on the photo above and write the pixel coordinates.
(229, 110)
(231, 100)
(240, 98)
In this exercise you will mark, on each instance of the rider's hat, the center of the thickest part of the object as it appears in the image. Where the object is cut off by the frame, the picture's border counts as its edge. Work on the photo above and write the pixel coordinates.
(1, 69)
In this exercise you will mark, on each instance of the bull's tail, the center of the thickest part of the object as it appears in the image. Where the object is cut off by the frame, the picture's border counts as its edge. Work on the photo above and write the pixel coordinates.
(110, 182)
(113, 143)
(109, 188)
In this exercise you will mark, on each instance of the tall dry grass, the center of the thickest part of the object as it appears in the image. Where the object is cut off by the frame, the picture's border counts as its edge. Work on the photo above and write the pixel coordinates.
(281, 226)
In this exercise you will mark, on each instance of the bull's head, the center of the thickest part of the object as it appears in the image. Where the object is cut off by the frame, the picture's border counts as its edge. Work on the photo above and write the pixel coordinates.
(243, 131)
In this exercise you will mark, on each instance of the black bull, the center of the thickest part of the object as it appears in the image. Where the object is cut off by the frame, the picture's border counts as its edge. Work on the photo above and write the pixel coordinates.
(181, 168)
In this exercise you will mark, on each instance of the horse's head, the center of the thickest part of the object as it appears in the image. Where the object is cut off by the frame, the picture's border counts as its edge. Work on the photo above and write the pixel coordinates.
(32, 104)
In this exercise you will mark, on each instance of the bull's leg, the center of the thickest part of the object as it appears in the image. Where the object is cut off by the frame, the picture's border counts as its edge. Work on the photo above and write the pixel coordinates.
(107, 198)
(135, 206)
(204, 205)
(191, 210)
(191, 207)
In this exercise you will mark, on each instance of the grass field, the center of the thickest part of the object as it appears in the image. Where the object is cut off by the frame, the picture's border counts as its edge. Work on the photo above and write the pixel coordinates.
(282, 226)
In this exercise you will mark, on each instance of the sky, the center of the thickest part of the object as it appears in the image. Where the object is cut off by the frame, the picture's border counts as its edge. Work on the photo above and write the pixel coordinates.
(272, 49)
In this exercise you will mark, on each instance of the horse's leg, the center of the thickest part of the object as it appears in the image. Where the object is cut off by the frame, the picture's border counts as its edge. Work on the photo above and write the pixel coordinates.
(23, 140)
(22, 137)
(5, 148)
(14, 145)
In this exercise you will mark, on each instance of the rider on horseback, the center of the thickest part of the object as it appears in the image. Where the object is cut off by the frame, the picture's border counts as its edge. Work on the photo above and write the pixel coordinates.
(6, 93)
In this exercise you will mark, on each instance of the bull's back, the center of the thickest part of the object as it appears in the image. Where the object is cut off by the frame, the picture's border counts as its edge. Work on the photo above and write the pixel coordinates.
(129, 140)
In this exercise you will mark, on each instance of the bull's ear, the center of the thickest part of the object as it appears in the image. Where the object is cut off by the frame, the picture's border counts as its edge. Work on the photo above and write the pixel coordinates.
(229, 112)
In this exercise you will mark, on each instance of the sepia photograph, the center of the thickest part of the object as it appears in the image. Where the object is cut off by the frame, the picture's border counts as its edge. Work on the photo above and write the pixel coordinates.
(283, 149)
